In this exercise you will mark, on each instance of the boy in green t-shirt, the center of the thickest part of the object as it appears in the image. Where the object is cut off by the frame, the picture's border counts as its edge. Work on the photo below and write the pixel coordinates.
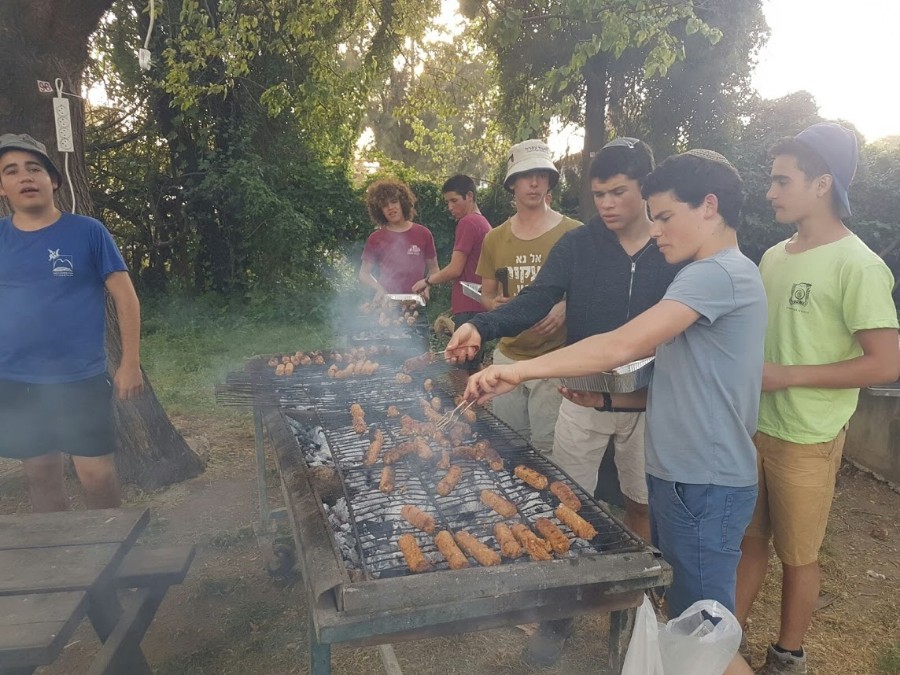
(832, 329)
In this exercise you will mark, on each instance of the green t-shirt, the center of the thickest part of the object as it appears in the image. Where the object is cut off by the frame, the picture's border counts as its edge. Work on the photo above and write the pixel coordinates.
(502, 248)
(817, 300)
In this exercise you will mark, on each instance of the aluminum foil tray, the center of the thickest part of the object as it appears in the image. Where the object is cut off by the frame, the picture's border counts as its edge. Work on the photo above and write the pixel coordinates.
(471, 290)
(622, 380)
(406, 297)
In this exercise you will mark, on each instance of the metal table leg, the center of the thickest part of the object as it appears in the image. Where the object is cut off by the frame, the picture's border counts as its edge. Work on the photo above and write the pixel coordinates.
(319, 654)
(621, 626)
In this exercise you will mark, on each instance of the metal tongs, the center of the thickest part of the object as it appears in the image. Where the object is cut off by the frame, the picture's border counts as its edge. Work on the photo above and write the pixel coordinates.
(452, 417)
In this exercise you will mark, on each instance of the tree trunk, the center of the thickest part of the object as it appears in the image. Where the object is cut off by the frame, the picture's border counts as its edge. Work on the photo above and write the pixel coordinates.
(45, 40)
(594, 126)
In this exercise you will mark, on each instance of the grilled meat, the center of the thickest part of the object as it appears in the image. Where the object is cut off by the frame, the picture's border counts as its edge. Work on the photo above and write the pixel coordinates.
(418, 362)
(509, 547)
(576, 523)
(428, 385)
(396, 454)
(493, 458)
(436, 403)
(535, 547)
(484, 554)
(549, 531)
(374, 448)
(402, 378)
(449, 481)
(423, 450)
(418, 518)
(450, 551)
(535, 479)
(415, 559)
(565, 494)
(502, 506)
(387, 480)
(444, 462)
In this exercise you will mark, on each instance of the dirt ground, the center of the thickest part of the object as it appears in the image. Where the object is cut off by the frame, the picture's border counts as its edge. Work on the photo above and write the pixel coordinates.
(230, 616)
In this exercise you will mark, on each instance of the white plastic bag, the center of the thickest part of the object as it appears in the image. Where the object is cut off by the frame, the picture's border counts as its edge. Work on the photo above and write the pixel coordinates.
(642, 657)
(691, 645)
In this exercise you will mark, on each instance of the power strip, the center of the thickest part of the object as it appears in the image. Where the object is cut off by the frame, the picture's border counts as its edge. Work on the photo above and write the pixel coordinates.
(65, 140)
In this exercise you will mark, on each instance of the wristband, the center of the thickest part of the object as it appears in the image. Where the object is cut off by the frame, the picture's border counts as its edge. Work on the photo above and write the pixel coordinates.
(427, 283)
(607, 403)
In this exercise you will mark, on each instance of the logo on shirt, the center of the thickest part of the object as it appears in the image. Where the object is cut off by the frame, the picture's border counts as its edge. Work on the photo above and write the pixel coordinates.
(800, 295)
(61, 265)
(414, 250)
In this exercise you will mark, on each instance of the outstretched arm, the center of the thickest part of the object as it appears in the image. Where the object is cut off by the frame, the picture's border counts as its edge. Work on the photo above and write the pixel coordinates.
(128, 379)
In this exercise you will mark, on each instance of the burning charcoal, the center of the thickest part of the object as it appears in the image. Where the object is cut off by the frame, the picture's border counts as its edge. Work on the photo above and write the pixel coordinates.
(509, 547)
(415, 559)
(494, 501)
(450, 551)
(536, 480)
(576, 523)
(558, 541)
(485, 555)
(565, 494)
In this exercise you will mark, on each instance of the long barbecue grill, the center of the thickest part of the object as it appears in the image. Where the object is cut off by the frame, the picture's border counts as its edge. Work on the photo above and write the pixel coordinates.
(346, 529)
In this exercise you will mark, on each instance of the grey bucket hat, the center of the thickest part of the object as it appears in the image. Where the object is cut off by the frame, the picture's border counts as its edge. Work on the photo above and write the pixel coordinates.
(26, 143)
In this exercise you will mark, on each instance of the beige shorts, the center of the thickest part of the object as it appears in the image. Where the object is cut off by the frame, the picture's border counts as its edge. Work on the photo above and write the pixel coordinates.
(582, 435)
(796, 488)
(530, 409)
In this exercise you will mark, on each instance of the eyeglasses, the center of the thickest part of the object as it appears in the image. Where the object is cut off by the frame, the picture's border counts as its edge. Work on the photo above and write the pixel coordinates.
(622, 142)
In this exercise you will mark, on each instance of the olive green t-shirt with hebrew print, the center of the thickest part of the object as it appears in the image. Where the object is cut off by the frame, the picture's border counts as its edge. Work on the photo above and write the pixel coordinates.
(817, 300)
(524, 258)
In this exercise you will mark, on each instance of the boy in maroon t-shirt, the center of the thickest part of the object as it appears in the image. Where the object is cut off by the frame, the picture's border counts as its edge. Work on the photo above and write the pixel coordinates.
(400, 249)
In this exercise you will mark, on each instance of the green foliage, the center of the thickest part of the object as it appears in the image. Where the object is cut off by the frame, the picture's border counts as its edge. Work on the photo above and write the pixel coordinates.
(889, 661)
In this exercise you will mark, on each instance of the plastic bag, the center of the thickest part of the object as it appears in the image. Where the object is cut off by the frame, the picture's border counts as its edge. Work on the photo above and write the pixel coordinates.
(643, 657)
(692, 644)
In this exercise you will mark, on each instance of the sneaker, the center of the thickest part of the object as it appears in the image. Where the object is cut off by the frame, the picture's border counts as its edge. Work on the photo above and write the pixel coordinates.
(778, 663)
(546, 646)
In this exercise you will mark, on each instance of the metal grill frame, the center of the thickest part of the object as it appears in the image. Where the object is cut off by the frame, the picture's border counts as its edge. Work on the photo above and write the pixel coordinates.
(373, 612)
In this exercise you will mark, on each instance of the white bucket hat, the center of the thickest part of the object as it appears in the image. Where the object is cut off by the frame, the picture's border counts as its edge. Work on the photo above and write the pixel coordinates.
(527, 156)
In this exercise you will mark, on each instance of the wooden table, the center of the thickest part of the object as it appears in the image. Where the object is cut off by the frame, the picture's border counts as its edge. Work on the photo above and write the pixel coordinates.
(54, 569)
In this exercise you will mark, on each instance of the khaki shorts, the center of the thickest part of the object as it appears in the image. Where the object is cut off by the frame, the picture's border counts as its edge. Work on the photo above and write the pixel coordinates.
(796, 488)
(582, 435)
(531, 408)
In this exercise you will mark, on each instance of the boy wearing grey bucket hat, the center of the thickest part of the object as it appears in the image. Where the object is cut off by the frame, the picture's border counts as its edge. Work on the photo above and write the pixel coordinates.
(832, 329)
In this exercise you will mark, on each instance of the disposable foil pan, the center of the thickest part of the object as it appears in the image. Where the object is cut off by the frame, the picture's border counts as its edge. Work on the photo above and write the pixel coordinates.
(471, 290)
(622, 380)
(406, 297)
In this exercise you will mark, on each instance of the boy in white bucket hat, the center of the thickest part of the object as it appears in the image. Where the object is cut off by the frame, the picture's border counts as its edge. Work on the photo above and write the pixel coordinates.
(518, 248)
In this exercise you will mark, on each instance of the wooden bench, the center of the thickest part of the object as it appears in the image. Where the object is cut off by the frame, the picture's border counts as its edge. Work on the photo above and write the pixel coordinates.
(35, 627)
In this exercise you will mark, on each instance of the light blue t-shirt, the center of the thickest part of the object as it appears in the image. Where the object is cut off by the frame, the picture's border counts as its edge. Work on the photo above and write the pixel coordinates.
(704, 395)
(53, 299)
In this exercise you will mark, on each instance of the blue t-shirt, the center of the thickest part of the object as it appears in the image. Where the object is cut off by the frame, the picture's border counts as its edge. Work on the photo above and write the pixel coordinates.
(704, 394)
(52, 299)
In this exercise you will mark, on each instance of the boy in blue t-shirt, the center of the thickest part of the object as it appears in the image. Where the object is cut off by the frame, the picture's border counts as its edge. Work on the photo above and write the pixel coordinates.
(55, 395)
(707, 334)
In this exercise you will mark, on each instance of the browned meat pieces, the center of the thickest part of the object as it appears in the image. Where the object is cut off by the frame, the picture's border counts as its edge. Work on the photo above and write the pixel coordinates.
(423, 450)
(418, 518)
(535, 479)
(402, 378)
(449, 481)
(450, 551)
(502, 506)
(576, 523)
(509, 547)
(418, 362)
(415, 559)
(537, 548)
(393, 411)
(485, 555)
(374, 448)
(387, 480)
(565, 494)
(444, 462)
(393, 456)
(549, 531)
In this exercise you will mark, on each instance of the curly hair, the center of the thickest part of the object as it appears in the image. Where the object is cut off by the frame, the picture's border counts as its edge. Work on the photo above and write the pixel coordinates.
(382, 192)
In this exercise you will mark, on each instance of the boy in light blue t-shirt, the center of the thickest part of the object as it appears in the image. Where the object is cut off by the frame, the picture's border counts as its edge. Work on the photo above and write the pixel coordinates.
(708, 334)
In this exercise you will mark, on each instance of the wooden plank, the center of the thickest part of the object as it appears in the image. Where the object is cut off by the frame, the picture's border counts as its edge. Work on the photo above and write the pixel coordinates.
(35, 628)
(51, 570)
(72, 528)
(146, 566)
(121, 651)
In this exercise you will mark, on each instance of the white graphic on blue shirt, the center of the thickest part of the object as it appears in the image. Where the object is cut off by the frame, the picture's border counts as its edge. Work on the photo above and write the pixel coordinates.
(61, 265)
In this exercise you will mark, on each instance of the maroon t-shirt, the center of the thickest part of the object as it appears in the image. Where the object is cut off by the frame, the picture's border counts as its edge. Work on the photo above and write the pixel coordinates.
(470, 231)
(399, 257)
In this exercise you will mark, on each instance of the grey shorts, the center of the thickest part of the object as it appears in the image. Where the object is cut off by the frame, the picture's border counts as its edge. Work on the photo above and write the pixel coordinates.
(72, 417)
